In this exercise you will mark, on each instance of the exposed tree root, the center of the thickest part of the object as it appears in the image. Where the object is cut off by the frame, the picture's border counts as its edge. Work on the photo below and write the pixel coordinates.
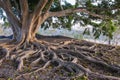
(63, 58)
(88, 58)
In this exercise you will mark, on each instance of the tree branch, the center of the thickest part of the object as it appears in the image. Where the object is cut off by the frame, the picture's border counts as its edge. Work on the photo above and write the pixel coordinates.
(40, 6)
(17, 8)
(39, 21)
(38, 10)
(6, 5)
(15, 23)
(1, 4)
(36, 14)
(9, 4)
(49, 5)
(16, 4)
(70, 11)
(60, 5)
(24, 10)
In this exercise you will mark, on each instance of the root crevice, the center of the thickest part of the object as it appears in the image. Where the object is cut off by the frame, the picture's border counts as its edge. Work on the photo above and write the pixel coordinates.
(68, 59)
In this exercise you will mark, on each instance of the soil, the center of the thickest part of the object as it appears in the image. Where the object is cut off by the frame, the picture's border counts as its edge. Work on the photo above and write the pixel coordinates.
(95, 61)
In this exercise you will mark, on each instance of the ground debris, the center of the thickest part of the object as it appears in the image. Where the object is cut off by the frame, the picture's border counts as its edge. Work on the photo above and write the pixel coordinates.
(68, 60)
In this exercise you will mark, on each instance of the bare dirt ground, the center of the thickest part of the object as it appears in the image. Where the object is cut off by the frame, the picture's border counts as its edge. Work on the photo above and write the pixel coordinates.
(78, 60)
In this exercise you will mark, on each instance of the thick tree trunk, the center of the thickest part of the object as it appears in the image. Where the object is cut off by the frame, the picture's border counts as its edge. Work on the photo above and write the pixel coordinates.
(25, 28)
(26, 33)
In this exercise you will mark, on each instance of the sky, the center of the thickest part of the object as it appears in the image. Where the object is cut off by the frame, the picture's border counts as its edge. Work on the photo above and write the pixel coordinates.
(71, 1)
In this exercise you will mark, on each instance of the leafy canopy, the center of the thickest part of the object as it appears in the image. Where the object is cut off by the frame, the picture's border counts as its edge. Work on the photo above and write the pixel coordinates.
(109, 10)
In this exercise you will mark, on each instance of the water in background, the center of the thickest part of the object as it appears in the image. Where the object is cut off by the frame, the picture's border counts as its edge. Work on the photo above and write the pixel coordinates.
(76, 32)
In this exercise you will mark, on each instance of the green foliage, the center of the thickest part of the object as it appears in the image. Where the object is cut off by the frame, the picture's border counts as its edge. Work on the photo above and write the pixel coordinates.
(106, 28)
(2, 15)
(107, 8)
(86, 31)
(78, 36)
(6, 24)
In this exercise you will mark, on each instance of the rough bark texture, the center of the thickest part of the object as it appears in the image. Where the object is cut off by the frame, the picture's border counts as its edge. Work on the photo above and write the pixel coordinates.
(61, 58)
(26, 58)
(25, 27)
(26, 24)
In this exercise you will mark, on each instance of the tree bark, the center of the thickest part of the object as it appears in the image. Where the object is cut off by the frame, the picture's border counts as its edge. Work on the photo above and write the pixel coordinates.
(27, 32)
(25, 27)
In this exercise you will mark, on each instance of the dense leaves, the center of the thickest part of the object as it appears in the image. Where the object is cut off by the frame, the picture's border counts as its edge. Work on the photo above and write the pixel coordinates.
(25, 55)
(108, 9)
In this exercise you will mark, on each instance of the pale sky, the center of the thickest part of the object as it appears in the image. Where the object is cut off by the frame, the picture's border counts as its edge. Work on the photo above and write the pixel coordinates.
(71, 1)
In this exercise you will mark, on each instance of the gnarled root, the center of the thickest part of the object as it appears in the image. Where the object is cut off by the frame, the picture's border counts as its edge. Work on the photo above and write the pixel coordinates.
(66, 60)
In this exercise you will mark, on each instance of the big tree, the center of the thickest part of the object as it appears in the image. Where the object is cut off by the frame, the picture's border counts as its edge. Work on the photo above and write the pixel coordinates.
(26, 16)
